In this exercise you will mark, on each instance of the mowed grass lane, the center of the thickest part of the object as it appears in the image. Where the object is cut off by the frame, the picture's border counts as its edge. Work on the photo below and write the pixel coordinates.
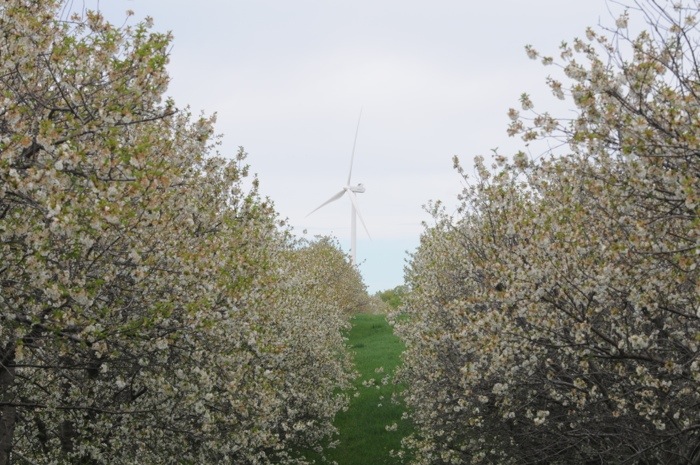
(364, 439)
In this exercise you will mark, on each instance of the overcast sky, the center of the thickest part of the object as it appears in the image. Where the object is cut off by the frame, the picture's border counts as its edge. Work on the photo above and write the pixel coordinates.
(287, 79)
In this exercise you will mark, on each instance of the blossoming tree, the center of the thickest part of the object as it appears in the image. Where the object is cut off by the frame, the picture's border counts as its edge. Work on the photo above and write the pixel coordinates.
(146, 310)
(556, 318)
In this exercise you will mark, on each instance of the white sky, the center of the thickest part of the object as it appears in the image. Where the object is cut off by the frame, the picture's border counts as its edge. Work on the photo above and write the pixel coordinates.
(434, 78)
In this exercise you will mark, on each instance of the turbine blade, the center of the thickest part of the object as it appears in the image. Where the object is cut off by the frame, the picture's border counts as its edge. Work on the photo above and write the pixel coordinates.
(354, 142)
(353, 199)
(332, 199)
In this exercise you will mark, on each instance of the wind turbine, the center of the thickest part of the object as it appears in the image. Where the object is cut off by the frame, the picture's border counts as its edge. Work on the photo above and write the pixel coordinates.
(351, 190)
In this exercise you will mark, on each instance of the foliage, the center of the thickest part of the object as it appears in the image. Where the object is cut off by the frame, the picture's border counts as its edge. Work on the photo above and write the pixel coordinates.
(151, 308)
(393, 297)
(556, 318)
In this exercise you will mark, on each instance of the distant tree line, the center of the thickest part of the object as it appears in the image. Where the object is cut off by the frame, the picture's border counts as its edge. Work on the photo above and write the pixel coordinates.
(393, 297)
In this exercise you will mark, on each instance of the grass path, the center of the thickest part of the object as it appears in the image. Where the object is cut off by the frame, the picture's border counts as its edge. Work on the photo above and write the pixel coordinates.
(364, 439)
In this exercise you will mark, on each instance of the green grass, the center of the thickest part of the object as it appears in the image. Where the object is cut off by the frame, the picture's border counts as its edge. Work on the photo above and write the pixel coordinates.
(364, 439)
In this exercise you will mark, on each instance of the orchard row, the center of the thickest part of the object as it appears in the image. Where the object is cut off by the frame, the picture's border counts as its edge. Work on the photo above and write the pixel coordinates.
(153, 308)
(556, 318)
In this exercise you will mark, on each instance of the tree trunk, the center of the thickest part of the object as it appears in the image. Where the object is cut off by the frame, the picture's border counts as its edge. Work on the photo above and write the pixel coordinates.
(8, 412)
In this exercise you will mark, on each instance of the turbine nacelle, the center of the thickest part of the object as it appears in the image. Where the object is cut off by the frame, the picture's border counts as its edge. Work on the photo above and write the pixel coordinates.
(359, 189)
